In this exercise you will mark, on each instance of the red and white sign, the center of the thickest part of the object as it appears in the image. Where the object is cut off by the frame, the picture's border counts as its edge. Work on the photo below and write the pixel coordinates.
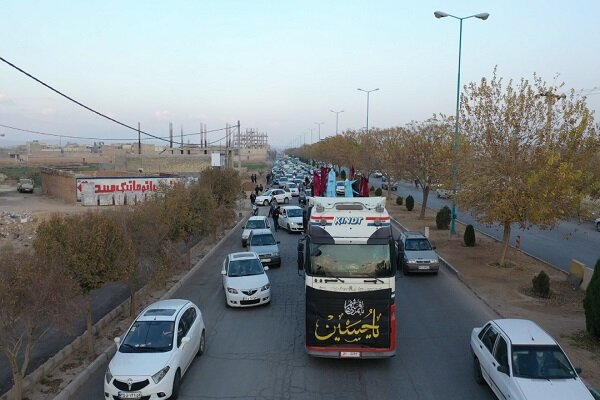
(108, 185)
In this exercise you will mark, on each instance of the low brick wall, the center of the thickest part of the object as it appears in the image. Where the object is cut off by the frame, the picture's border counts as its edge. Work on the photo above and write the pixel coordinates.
(60, 184)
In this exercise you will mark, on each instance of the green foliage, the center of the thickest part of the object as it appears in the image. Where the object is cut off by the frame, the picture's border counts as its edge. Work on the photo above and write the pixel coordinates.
(443, 218)
(399, 200)
(15, 173)
(372, 189)
(591, 303)
(469, 236)
(410, 203)
(343, 175)
(378, 192)
(541, 284)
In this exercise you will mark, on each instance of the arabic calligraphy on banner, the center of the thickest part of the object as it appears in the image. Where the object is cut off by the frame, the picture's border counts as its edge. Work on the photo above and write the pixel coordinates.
(342, 319)
(123, 184)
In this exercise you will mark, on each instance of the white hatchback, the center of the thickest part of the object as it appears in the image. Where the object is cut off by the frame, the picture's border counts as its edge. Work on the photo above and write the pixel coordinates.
(255, 222)
(520, 361)
(245, 281)
(291, 219)
(156, 351)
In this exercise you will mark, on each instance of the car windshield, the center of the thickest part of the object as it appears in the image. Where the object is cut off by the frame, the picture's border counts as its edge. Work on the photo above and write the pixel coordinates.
(350, 260)
(262, 240)
(417, 245)
(245, 268)
(267, 193)
(255, 224)
(294, 212)
(27, 181)
(292, 186)
(148, 337)
(541, 362)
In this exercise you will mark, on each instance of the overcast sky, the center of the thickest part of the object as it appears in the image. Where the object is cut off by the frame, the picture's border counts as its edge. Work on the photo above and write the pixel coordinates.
(278, 66)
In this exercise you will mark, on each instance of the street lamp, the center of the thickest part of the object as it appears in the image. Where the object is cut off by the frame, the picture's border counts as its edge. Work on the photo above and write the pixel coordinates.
(368, 92)
(311, 139)
(482, 16)
(319, 124)
(337, 114)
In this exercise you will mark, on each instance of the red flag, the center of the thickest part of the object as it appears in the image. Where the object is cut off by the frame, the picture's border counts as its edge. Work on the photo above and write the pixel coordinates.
(324, 174)
(352, 172)
(316, 184)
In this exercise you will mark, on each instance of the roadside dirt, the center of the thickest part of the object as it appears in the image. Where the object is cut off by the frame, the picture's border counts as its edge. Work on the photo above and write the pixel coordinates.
(507, 290)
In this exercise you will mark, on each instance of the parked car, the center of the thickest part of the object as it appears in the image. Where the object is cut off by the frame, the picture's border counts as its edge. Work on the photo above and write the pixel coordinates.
(377, 175)
(444, 193)
(520, 361)
(291, 219)
(245, 281)
(597, 222)
(256, 222)
(25, 185)
(340, 188)
(393, 185)
(156, 351)
(416, 254)
(293, 189)
(280, 195)
(304, 195)
(263, 243)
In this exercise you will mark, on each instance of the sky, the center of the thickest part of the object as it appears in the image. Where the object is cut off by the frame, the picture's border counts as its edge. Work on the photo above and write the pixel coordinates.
(276, 66)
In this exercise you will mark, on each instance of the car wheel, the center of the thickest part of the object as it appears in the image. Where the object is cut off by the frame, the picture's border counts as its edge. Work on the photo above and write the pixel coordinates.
(265, 203)
(176, 385)
(202, 344)
(404, 268)
(286, 200)
(598, 226)
(289, 229)
(477, 371)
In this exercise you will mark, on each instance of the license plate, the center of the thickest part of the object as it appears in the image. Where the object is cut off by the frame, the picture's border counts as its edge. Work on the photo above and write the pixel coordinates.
(251, 298)
(349, 354)
(423, 266)
(130, 395)
(266, 259)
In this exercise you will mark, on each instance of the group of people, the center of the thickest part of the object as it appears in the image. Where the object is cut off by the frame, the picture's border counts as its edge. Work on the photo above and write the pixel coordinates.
(253, 178)
(274, 209)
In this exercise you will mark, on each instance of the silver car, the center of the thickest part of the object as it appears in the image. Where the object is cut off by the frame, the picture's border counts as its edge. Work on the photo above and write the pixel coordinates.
(416, 254)
(263, 243)
(255, 222)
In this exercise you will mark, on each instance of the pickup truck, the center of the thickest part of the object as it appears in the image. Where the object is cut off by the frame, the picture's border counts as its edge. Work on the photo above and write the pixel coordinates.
(25, 185)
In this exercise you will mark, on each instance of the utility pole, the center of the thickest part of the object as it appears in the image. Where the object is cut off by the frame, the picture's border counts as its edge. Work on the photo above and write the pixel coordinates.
(319, 125)
(170, 134)
(139, 140)
(337, 114)
(181, 136)
(239, 134)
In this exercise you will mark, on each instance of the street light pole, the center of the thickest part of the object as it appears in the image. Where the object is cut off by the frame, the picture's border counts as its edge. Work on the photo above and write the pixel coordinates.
(482, 16)
(319, 124)
(337, 114)
(368, 92)
(311, 139)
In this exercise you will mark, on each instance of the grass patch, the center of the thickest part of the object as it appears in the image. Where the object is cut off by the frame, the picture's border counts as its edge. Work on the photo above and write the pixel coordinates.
(257, 166)
(15, 173)
(584, 340)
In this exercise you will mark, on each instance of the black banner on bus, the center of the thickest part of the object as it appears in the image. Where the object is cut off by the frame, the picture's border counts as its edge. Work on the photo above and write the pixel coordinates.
(355, 319)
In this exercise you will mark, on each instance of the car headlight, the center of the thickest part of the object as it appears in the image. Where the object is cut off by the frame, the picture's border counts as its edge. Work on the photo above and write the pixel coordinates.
(411, 261)
(232, 290)
(266, 287)
(108, 375)
(157, 377)
(293, 223)
(275, 254)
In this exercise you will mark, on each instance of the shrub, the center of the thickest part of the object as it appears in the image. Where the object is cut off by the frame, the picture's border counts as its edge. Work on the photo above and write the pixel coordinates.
(469, 236)
(399, 200)
(410, 203)
(541, 284)
(443, 218)
(591, 303)
(378, 192)
(343, 175)
(372, 189)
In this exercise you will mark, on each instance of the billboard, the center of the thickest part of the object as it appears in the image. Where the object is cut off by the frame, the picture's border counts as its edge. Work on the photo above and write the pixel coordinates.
(215, 159)
(111, 185)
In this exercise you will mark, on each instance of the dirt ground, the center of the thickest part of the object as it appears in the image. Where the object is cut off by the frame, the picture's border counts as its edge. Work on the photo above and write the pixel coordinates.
(507, 290)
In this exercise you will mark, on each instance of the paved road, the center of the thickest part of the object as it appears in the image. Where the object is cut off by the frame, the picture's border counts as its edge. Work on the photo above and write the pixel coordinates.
(568, 240)
(259, 353)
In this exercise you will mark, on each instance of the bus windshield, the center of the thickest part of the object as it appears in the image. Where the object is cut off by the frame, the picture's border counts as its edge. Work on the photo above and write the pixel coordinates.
(350, 260)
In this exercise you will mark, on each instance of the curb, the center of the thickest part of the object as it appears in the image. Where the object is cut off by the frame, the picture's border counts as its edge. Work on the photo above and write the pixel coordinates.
(106, 355)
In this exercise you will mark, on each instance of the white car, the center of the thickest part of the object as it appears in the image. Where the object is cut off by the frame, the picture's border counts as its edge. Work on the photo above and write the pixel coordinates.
(340, 188)
(291, 219)
(520, 361)
(156, 351)
(293, 188)
(597, 222)
(245, 281)
(280, 195)
(256, 222)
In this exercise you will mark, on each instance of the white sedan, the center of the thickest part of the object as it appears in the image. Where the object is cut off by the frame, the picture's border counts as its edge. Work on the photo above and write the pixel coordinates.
(520, 361)
(597, 222)
(291, 219)
(245, 281)
(156, 351)
(281, 196)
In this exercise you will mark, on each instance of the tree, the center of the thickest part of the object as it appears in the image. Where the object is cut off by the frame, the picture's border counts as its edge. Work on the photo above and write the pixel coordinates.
(92, 248)
(34, 298)
(427, 153)
(591, 303)
(525, 147)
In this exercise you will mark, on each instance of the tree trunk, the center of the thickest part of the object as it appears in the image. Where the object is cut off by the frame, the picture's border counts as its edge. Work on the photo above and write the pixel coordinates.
(505, 239)
(424, 202)
(16, 374)
(88, 320)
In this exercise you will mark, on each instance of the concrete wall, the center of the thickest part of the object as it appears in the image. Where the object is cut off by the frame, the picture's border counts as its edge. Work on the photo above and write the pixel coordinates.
(168, 163)
(59, 184)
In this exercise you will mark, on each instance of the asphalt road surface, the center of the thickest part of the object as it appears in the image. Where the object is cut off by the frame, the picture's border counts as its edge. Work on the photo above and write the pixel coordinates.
(568, 240)
(258, 353)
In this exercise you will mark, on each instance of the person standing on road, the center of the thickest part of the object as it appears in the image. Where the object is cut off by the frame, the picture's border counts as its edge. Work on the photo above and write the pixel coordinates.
(256, 190)
(272, 205)
(252, 198)
(275, 216)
